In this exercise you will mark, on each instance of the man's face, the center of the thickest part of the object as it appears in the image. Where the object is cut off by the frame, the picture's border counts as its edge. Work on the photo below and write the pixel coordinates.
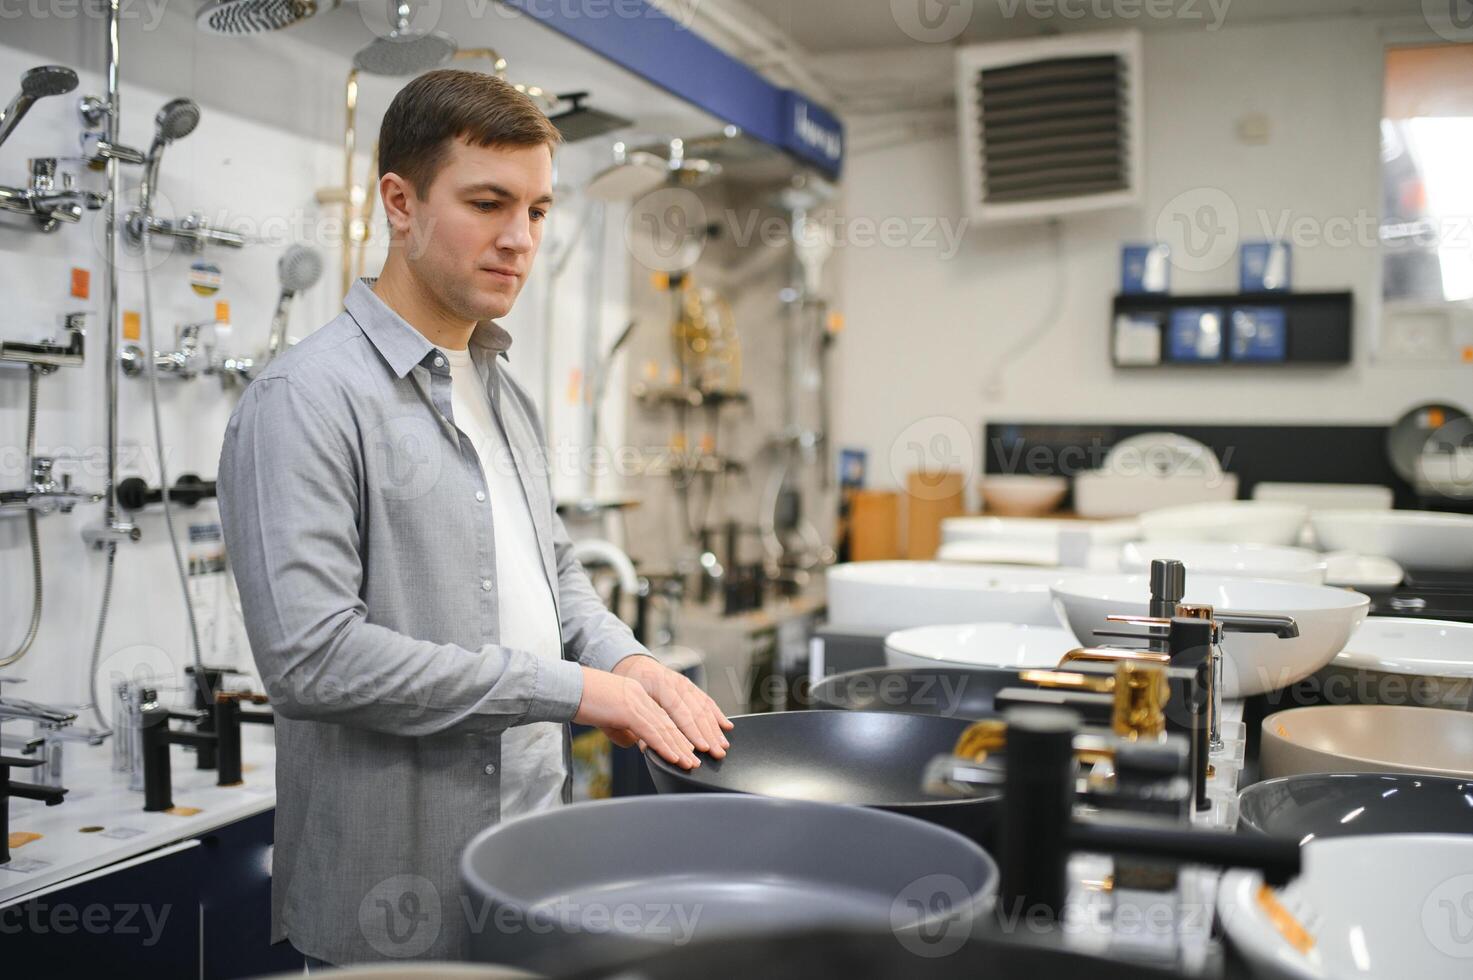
(473, 237)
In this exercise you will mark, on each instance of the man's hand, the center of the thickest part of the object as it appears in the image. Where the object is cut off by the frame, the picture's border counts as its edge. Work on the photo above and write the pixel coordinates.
(692, 710)
(622, 708)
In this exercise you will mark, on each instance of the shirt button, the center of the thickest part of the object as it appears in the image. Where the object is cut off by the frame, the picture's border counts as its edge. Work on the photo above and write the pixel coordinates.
(480, 496)
(486, 585)
(439, 362)
(490, 769)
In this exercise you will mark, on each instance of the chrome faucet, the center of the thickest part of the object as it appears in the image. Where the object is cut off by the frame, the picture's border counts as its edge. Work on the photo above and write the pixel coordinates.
(191, 357)
(53, 729)
(47, 492)
(186, 360)
(44, 201)
(192, 230)
(50, 354)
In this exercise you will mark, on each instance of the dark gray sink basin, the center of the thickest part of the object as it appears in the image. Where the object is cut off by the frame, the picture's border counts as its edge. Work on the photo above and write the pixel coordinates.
(598, 885)
(1350, 804)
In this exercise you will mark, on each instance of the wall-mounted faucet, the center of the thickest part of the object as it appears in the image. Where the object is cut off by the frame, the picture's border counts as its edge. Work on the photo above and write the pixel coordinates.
(191, 357)
(51, 354)
(192, 230)
(47, 492)
(44, 201)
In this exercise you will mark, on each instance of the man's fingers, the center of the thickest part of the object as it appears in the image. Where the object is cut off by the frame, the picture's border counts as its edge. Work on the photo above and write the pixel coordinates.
(690, 726)
(662, 733)
(705, 722)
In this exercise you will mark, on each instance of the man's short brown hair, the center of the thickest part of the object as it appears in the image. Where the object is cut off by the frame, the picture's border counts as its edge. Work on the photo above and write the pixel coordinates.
(447, 104)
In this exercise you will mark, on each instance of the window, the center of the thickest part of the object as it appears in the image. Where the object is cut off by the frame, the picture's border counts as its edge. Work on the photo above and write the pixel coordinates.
(1426, 228)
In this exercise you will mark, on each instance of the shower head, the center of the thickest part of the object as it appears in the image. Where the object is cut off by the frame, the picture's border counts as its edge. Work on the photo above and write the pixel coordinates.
(404, 54)
(633, 174)
(404, 51)
(35, 84)
(254, 16)
(48, 80)
(299, 268)
(579, 122)
(175, 120)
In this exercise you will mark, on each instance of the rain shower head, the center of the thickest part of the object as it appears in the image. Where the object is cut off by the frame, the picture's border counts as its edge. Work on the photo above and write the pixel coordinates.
(404, 51)
(299, 268)
(633, 174)
(579, 122)
(35, 84)
(254, 16)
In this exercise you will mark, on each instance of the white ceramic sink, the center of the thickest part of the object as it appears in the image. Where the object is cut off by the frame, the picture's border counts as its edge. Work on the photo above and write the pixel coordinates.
(979, 645)
(1226, 558)
(1416, 647)
(1393, 907)
(893, 595)
(1241, 521)
(1252, 662)
(1414, 538)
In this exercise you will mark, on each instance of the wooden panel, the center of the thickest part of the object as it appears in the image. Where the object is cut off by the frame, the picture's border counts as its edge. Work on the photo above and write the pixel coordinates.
(930, 498)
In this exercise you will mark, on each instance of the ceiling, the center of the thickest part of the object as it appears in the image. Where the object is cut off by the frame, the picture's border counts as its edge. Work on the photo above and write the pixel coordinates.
(842, 25)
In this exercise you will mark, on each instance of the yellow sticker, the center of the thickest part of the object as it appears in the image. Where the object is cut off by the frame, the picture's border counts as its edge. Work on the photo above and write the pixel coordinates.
(183, 811)
(1283, 920)
(20, 837)
(222, 311)
(132, 325)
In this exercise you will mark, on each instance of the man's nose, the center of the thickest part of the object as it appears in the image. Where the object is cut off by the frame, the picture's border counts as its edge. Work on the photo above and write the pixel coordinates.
(516, 235)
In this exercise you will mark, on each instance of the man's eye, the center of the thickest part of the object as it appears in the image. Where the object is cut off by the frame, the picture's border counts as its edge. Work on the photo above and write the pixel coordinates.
(484, 205)
(538, 214)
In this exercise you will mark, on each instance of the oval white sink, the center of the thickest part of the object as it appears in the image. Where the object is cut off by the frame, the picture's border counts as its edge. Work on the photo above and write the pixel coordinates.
(1390, 908)
(1229, 559)
(1252, 662)
(892, 595)
(1243, 521)
(1009, 645)
(1415, 538)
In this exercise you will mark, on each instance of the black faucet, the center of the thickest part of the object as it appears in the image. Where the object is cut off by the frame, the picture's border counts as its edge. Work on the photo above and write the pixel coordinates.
(221, 741)
(1039, 829)
(50, 795)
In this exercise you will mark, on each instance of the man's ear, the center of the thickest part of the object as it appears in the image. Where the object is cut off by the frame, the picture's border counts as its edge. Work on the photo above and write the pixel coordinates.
(396, 195)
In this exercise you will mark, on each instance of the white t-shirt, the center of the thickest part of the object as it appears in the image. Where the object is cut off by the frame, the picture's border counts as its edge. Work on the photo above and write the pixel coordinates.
(532, 769)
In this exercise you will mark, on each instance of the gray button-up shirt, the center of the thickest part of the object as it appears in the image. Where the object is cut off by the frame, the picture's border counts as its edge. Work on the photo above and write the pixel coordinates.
(358, 523)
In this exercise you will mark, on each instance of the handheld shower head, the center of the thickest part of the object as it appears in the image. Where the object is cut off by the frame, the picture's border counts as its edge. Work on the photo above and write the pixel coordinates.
(299, 268)
(35, 84)
(175, 120)
(404, 51)
(48, 80)
(255, 16)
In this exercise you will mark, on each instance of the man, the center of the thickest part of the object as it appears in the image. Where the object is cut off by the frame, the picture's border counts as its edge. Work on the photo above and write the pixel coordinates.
(407, 586)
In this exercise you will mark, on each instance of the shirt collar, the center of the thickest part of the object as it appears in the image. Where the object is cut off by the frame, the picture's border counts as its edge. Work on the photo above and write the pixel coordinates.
(400, 344)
